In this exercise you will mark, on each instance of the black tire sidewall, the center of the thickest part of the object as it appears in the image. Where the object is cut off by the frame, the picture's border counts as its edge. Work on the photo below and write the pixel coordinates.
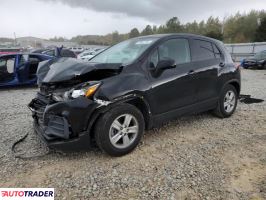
(104, 123)
(221, 100)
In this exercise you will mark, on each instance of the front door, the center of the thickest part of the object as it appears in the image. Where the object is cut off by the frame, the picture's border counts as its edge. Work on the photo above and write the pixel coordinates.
(174, 88)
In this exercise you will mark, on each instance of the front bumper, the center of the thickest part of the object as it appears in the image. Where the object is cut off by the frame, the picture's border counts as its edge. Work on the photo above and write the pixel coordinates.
(63, 125)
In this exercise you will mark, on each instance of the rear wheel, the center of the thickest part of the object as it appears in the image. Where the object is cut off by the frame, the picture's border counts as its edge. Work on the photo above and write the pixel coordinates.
(119, 130)
(227, 102)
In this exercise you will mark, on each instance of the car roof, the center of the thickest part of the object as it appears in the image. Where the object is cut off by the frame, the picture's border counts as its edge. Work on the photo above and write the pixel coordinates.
(180, 35)
(20, 53)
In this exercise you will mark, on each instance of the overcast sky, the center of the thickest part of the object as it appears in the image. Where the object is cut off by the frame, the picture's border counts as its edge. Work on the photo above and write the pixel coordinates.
(68, 18)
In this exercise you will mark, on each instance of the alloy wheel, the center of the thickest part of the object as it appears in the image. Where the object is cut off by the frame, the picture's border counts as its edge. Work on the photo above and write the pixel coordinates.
(229, 101)
(123, 131)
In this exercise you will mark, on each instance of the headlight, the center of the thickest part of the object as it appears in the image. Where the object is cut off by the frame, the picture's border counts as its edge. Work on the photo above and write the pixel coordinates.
(86, 91)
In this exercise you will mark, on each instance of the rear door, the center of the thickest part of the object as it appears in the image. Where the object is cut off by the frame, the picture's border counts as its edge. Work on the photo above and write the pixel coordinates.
(206, 58)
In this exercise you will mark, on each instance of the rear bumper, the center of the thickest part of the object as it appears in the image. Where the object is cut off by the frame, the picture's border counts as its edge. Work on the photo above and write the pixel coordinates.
(63, 125)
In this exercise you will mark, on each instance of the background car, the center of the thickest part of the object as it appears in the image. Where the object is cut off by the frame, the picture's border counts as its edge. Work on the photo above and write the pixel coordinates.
(76, 50)
(56, 52)
(87, 55)
(259, 61)
(20, 68)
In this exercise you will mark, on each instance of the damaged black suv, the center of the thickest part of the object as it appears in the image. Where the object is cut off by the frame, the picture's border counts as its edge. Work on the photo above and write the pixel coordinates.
(134, 85)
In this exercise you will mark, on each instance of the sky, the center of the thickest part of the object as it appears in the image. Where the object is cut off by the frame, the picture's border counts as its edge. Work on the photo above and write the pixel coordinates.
(68, 18)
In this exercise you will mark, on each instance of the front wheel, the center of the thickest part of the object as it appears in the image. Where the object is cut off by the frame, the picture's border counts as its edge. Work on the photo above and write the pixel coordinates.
(227, 102)
(119, 130)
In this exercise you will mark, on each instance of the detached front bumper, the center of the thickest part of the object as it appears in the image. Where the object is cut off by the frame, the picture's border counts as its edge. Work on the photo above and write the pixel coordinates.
(63, 125)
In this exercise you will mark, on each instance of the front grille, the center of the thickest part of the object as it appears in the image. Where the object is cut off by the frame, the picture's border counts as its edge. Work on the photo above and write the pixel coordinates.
(40, 104)
(57, 127)
(53, 127)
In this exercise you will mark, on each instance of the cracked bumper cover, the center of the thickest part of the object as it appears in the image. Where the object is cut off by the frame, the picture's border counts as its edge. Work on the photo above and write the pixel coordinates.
(64, 125)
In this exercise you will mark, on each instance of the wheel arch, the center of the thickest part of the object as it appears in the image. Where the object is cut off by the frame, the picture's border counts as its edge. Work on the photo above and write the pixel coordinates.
(234, 83)
(134, 99)
(141, 104)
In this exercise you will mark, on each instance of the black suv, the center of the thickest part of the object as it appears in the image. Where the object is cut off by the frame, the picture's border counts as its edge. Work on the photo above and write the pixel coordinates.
(134, 85)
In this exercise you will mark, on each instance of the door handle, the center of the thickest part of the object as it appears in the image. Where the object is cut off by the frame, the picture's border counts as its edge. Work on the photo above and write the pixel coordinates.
(191, 72)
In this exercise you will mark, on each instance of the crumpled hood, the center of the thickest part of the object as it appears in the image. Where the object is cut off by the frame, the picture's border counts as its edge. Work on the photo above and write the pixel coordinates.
(63, 69)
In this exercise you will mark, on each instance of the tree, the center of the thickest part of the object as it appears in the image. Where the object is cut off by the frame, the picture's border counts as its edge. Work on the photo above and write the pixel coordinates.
(154, 29)
(58, 39)
(173, 25)
(192, 27)
(260, 35)
(147, 30)
(213, 28)
(161, 29)
(215, 35)
(115, 37)
(134, 33)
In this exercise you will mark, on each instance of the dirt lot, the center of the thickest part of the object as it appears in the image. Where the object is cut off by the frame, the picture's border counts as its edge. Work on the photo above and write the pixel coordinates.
(194, 157)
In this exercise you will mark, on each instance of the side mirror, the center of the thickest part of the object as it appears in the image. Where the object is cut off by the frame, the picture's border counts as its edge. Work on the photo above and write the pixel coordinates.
(166, 63)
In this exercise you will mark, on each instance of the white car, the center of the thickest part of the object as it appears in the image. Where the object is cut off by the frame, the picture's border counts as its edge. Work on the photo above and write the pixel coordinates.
(76, 50)
(87, 55)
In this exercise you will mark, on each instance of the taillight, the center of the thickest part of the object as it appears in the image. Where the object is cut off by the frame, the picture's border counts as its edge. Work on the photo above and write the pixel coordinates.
(237, 65)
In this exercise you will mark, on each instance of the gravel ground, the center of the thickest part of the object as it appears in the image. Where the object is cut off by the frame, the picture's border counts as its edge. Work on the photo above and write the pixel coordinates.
(194, 157)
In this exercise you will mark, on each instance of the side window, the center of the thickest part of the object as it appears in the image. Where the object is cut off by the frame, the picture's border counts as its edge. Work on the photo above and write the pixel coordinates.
(176, 49)
(202, 50)
(23, 59)
(154, 58)
(49, 52)
(7, 65)
(34, 59)
(10, 64)
(217, 53)
(2, 63)
(67, 53)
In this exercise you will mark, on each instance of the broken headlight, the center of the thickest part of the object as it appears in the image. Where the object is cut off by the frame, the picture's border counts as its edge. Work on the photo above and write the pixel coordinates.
(85, 90)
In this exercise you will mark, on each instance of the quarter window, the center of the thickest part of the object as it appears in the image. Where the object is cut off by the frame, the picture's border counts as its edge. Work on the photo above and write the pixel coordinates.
(217, 53)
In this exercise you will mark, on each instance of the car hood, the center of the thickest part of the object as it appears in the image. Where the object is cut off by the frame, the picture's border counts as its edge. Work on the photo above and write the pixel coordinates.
(64, 69)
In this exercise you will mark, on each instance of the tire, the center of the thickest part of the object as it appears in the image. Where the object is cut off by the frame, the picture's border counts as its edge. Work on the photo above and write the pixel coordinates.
(113, 124)
(222, 110)
(260, 67)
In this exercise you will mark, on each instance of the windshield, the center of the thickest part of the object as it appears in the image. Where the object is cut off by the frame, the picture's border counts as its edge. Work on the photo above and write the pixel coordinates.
(124, 52)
